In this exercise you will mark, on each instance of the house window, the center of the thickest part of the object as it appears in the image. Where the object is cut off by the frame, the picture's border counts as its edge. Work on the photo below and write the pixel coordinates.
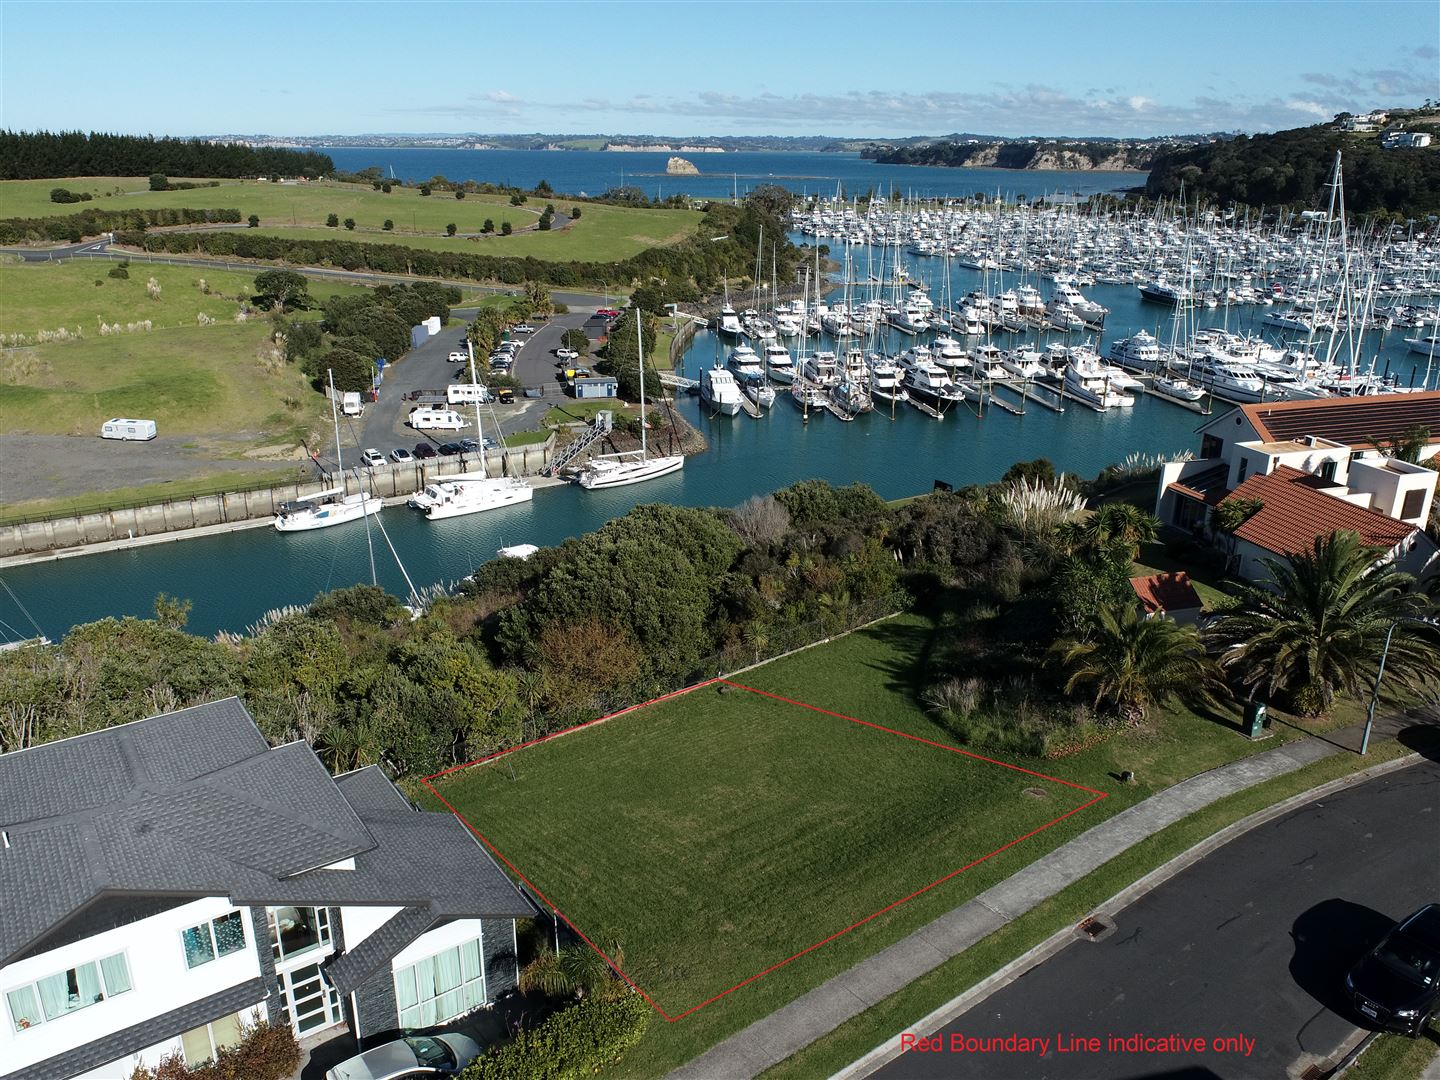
(1327, 470)
(441, 987)
(1211, 448)
(68, 991)
(202, 1044)
(1413, 504)
(1244, 468)
(295, 930)
(218, 937)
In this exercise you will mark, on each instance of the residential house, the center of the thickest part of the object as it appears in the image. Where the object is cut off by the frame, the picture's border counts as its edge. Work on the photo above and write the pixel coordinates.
(165, 880)
(1316, 466)
(1169, 595)
(1407, 139)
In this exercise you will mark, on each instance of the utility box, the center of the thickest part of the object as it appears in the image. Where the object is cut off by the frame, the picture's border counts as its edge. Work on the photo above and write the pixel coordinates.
(1256, 719)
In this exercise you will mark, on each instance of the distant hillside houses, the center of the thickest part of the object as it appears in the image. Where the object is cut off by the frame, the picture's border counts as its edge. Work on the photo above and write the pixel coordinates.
(1371, 121)
(1413, 139)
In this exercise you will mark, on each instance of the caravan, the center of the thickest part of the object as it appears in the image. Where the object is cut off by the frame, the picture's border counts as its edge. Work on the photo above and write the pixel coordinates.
(129, 430)
(433, 418)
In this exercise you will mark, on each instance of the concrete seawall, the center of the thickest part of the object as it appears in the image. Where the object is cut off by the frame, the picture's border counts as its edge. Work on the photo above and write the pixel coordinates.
(77, 534)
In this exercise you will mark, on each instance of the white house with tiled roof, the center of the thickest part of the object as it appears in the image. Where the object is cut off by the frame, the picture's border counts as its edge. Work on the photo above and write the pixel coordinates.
(1333, 475)
(164, 881)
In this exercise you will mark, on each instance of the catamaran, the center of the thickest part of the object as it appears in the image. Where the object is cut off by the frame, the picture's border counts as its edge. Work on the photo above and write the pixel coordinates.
(331, 506)
(616, 471)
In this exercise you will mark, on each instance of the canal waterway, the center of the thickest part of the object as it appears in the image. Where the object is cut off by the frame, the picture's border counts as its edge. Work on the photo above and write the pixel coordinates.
(233, 579)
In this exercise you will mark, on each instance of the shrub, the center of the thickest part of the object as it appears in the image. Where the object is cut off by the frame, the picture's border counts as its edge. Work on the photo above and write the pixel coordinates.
(350, 223)
(63, 195)
(575, 213)
(263, 1053)
(158, 182)
(570, 1045)
(459, 193)
(332, 221)
(119, 272)
(505, 228)
(489, 226)
(389, 225)
(424, 189)
(517, 199)
(450, 229)
(386, 188)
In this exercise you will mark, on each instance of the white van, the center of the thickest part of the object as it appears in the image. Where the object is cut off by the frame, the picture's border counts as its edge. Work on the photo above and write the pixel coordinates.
(129, 430)
(467, 393)
(434, 418)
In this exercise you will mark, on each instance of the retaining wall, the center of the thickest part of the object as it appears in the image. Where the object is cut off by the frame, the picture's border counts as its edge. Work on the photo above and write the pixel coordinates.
(387, 481)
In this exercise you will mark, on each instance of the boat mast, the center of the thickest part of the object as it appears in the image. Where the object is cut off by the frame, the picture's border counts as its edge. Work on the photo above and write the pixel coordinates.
(335, 419)
(479, 431)
(640, 357)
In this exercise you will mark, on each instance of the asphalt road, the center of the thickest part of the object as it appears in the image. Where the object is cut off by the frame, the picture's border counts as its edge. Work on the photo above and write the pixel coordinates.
(1250, 943)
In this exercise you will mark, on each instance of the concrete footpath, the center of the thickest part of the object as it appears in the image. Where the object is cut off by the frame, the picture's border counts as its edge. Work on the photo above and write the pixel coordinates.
(771, 1040)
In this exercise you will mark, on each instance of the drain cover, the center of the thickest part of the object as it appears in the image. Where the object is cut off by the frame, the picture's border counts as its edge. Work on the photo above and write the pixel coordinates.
(1094, 928)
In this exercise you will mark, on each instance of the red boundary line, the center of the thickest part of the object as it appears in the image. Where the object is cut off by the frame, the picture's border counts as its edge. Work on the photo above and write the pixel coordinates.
(809, 948)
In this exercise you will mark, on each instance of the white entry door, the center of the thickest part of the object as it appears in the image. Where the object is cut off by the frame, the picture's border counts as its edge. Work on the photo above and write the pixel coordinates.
(309, 1002)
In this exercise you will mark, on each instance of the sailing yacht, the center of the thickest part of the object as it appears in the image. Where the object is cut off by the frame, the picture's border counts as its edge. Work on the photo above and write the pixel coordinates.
(331, 506)
(456, 496)
(617, 471)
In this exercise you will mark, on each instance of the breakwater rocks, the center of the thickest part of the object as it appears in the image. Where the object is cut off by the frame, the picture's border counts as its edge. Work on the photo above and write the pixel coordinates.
(678, 166)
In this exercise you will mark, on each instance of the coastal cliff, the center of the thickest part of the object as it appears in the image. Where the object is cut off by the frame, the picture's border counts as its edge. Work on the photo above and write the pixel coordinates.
(1107, 156)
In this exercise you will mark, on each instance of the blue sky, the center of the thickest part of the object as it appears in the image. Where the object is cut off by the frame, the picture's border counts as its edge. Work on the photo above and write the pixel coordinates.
(675, 68)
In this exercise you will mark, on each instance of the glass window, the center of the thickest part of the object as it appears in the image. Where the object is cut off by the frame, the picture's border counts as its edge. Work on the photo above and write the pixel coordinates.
(204, 1043)
(67, 991)
(218, 937)
(294, 930)
(441, 987)
(1414, 502)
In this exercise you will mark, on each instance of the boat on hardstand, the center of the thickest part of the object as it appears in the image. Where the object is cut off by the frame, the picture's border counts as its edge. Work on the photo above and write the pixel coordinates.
(621, 470)
(331, 506)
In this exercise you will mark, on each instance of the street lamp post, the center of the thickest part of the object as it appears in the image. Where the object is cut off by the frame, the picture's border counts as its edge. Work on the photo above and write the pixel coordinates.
(1380, 674)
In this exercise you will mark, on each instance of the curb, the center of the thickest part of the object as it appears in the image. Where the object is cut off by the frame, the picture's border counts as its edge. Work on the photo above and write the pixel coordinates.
(962, 1003)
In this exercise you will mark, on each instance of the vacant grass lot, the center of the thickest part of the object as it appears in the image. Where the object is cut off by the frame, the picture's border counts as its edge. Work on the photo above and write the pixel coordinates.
(603, 233)
(713, 833)
(79, 294)
(210, 382)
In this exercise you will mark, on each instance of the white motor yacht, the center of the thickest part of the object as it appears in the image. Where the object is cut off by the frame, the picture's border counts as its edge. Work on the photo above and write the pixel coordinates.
(778, 363)
(1086, 379)
(1139, 352)
(885, 378)
(744, 360)
(730, 322)
(456, 496)
(720, 391)
(1024, 363)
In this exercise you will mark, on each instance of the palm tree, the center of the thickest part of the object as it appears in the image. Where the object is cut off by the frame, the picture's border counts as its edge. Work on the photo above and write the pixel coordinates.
(1122, 527)
(1133, 662)
(1318, 625)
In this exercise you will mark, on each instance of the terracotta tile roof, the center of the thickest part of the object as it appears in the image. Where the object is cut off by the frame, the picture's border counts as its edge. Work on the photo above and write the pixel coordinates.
(1293, 514)
(1166, 592)
(1207, 487)
(1353, 421)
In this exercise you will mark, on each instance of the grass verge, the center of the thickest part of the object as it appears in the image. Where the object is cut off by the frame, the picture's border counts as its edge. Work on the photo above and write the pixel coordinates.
(211, 483)
(863, 1033)
(1394, 1057)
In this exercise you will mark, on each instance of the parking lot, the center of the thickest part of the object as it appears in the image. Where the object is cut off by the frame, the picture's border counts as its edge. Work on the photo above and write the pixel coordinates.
(428, 369)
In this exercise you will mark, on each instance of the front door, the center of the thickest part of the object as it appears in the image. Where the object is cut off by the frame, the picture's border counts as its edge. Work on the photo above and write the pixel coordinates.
(307, 1000)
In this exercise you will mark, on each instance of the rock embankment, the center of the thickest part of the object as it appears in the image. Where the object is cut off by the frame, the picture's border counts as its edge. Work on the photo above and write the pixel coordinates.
(678, 166)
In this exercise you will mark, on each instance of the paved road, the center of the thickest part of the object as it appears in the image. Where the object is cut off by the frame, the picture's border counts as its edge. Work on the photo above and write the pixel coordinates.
(1252, 942)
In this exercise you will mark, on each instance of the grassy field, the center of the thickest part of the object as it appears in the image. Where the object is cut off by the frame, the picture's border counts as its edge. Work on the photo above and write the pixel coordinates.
(80, 294)
(190, 380)
(603, 233)
(735, 831)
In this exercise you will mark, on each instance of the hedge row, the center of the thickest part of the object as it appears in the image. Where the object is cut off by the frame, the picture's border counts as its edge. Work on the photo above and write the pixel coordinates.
(571, 1045)
(76, 227)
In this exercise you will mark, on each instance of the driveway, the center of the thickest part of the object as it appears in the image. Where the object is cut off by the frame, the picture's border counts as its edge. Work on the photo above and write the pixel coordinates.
(1250, 944)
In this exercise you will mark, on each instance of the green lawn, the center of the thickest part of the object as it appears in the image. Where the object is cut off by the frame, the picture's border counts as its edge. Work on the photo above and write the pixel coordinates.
(80, 294)
(718, 834)
(603, 233)
(206, 381)
(1394, 1057)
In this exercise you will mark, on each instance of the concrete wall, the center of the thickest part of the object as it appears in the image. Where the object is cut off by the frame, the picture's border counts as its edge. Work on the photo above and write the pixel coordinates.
(386, 481)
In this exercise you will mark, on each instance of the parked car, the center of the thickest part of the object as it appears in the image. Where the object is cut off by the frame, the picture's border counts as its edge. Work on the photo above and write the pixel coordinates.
(459, 356)
(372, 457)
(401, 456)
(490, 444)
(567, 354)
(468, 446)
(505, 395)
(1396, 987)
(450, 449)
(607, 313)
(444, 1054)
(522, 328)
(425, 450)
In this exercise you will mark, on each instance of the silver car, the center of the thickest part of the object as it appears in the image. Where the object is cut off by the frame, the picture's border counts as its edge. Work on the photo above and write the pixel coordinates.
(416, 1056)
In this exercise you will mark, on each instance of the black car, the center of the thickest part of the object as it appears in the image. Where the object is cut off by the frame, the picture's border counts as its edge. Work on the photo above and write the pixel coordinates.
(425, 450)
(1397, 986)
(450, 449)
(468, 446)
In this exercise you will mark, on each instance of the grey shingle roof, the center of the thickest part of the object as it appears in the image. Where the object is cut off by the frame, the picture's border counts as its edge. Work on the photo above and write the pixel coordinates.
(131, 1040)
(195, 803)
(350, 969)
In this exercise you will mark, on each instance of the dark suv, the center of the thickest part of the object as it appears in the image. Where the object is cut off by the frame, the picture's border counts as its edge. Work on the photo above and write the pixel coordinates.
(1397, 986)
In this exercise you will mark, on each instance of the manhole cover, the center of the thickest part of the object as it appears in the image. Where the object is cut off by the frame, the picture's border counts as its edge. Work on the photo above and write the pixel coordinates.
(1314, 1072)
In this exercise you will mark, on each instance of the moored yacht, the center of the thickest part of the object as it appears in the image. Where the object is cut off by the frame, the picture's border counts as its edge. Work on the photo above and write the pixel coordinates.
(455, 496)
(885, 379)
(744, 361)
(778, 363)
(1139, 352)
(1086, 378)
(730, 322)
(720, 391)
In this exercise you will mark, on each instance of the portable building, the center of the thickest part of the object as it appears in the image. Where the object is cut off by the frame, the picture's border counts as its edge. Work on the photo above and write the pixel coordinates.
(129, 430)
